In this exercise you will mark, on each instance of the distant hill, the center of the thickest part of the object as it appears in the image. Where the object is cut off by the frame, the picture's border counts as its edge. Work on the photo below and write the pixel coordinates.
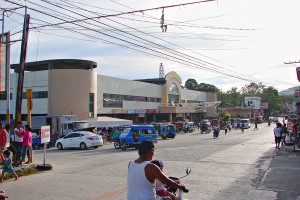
(290, 91)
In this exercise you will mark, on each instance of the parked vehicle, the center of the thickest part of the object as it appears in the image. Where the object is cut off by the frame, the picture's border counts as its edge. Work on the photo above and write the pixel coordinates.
(189, 127)
(246, 122)
(36, 143)
(133, 136)
(80, 139)
(179, 126)
(205, 128)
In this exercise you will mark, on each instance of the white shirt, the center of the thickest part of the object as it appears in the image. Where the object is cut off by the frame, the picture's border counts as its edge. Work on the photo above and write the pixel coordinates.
(138, 186)
(277, 132)
(17, 138)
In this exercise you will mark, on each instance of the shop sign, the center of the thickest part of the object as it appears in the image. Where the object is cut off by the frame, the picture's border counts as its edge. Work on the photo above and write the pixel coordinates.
(151, 111)
(140, 111)
(130, 111)
(141, 115)
(118, 111)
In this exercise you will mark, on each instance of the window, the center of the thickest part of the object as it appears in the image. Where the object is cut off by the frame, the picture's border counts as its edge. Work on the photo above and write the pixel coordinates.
(173, 98)
(250, 103)
(37, 95)
(174, 88)
(116, 100)
(91, 105)
(3, 96)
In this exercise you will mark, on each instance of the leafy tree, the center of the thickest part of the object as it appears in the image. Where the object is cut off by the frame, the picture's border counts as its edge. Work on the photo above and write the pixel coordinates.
(191, 84)
(253, 88)
(207, 87)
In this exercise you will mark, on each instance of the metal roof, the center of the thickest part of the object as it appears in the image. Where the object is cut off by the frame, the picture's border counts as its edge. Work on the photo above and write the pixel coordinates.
(57, 64)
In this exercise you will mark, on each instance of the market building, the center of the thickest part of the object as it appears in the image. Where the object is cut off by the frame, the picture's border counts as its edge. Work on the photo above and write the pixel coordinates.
(73, 87)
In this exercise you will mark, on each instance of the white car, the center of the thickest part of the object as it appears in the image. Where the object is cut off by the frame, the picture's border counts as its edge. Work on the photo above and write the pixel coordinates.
(79, 139)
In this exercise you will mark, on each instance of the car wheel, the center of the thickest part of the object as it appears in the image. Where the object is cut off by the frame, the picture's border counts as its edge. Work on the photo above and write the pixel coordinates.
(123, 145)
(96, 147)
(173, 136)
(82, 146)
(36, 146)
(117, 144)
(60, 146)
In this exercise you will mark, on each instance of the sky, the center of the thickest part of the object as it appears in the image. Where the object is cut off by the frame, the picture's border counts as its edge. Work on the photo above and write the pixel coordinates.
(226, 43)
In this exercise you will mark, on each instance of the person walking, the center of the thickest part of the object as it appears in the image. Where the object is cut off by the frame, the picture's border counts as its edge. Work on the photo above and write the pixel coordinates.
(277, 134)
(255, 126)
(7, 166)
(18, 131)
(242, 127)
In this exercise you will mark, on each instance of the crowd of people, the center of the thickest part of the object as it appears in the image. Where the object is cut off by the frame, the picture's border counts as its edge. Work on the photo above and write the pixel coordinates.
(18, 143)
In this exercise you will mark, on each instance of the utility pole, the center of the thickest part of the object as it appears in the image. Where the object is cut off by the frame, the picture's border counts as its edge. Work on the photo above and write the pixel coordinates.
(22, 67)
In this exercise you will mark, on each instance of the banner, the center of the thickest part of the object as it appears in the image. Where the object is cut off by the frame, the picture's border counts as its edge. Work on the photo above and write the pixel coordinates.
(3, 60)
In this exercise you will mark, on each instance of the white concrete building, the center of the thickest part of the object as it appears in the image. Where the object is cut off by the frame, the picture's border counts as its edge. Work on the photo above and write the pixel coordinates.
(255, 104)
(71, 87)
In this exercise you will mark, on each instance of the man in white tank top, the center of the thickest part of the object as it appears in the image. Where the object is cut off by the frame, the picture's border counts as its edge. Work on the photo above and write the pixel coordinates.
(142, 175)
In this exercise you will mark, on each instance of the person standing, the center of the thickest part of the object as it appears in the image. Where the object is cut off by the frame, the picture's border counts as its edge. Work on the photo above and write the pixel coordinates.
(12, 145)
(283, 133)
(255, 126)
(18, 140)
(277, 134)
(3, 138)
(27, 141)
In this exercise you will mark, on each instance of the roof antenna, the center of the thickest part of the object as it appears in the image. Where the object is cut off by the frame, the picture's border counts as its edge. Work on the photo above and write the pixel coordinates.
(161, 71)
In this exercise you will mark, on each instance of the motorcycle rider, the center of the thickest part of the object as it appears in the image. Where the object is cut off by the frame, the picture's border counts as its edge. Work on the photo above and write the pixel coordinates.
(142, 175)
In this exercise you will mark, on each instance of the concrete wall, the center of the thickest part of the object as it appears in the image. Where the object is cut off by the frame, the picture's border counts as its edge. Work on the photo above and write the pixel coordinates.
(69, 92)
(211, 97)
(113, 85)
(193, 95)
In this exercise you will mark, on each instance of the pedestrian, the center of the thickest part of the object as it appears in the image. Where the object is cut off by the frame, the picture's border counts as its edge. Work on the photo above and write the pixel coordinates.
(277, 134)
(255, 126)
(27, 141)
(3, 138)
(225, 129)
(283, 133)
(18, 131)
(243, 127)
(7, 166)
(11, 146)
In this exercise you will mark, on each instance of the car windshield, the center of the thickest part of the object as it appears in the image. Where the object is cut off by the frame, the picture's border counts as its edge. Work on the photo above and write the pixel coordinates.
(244, 121)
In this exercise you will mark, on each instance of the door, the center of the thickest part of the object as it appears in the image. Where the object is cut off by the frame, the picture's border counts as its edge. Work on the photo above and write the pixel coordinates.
(76, 140)
(67, 140)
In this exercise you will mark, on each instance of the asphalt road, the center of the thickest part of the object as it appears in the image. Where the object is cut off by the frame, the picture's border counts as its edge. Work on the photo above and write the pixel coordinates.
(230, 167)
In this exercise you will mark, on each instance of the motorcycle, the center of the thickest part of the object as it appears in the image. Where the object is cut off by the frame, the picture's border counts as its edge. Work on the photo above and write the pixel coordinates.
(178, 193)
(3, 196)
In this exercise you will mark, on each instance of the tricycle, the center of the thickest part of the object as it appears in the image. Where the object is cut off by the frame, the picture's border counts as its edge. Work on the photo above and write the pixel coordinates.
(205, 128)
(116, 135)
(134, 135)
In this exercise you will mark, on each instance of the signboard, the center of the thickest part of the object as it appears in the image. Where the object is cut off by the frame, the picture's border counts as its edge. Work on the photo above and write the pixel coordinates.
(45, 134)
(151, 111)
(118, 111)
(130, 111)
(140, 111)
(141, 115)
(3, 59)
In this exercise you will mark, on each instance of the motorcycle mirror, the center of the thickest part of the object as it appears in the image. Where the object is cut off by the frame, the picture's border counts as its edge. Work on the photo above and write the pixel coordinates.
(188, 170)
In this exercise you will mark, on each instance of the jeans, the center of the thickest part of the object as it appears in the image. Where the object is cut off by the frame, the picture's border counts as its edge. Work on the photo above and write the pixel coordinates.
(18, 150)
(25, 149)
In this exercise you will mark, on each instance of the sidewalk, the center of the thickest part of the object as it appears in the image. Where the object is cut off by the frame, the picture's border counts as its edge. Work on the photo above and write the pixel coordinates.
(283, 175)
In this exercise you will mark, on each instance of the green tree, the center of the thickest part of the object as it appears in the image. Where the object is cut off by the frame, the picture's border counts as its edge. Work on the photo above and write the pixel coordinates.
(207, 87)
(191, 84)
(253, 88)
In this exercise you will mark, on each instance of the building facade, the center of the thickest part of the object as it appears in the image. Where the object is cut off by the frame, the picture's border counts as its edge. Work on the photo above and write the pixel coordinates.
(72, 87)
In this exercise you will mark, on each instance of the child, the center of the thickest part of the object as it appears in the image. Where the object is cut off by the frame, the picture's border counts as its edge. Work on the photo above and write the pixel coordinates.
(7, 166)
(159, 187)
